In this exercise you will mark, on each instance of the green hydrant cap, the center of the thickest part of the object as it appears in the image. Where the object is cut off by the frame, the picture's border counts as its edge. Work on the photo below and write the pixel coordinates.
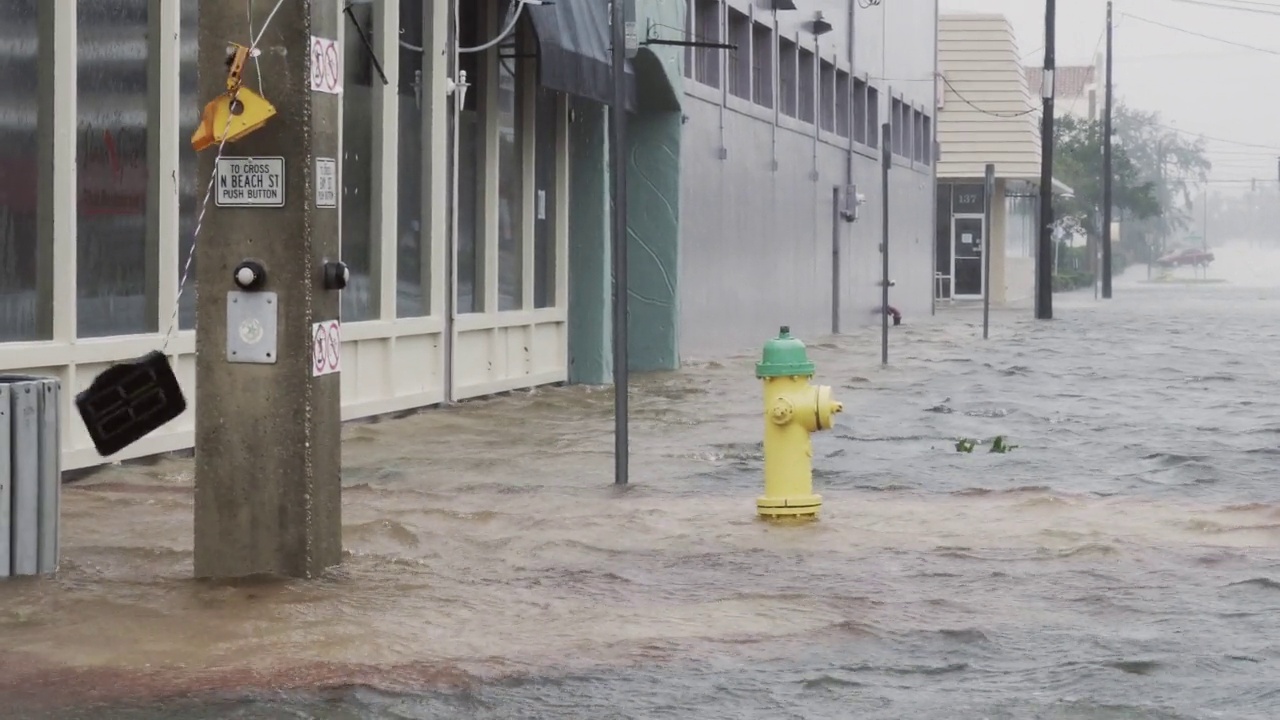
(784, 356)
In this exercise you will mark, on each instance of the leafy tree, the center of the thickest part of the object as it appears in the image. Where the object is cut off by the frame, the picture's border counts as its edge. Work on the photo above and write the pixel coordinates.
(1078, 163)
(1155, 172)
(1173, 161)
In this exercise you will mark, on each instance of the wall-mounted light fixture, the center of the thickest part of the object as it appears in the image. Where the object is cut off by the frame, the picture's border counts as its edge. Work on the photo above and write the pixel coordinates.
(820, 26)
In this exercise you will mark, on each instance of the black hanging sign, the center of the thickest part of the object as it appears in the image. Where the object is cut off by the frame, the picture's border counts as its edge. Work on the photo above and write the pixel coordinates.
(129, 400)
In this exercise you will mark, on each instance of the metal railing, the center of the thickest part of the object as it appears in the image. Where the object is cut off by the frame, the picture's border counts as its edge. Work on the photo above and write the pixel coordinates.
(30, 475)
(942, 287)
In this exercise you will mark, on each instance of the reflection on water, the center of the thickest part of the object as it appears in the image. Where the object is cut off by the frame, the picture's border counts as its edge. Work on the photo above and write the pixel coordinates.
(1121, 563)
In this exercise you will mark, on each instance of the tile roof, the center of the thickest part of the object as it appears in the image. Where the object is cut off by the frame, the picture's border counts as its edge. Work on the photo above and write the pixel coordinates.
(1072, 80)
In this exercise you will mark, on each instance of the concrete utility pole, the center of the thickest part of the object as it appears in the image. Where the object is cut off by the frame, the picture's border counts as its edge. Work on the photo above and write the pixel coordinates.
(268, 457)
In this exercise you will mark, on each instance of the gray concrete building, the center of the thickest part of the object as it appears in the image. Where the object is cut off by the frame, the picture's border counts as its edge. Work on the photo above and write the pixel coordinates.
(772, 129)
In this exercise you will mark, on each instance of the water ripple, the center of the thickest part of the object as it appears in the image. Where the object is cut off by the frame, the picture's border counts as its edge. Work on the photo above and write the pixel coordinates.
(1120, 563)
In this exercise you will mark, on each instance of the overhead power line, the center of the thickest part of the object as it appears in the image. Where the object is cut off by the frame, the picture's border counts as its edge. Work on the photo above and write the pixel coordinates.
(1236, 154)
(1097, 46)
(1255, 8)
(1215, 38)
(1272, 148)
(992, 113)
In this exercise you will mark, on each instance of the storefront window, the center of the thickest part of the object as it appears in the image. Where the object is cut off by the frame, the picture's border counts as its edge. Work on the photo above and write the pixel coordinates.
(190, 189)
(25, 277)
(1021, 221)
(360, 298)
(413, 257)
(115, 262)
(511, 128)
(471, 162)
(942, 267)
(545, 220)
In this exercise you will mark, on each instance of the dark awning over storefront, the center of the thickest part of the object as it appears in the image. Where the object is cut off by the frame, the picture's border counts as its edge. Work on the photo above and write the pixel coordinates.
(575, 49)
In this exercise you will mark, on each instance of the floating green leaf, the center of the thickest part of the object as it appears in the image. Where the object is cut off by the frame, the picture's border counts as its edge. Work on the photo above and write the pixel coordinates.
(1000, 445)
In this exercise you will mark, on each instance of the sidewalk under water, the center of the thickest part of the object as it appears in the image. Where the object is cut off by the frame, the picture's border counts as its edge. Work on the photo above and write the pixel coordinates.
(1121, 562)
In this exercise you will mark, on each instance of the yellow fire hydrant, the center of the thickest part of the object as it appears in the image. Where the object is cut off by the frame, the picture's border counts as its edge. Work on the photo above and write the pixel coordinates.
(793, 410)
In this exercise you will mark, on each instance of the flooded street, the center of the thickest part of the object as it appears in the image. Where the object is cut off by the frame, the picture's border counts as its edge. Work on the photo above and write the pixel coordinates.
(1122, 562)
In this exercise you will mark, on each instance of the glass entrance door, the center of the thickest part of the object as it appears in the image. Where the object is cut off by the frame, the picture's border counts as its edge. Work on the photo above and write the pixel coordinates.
(966, 264)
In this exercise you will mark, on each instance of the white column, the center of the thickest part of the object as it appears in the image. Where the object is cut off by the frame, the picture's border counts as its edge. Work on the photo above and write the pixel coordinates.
(437, 230)
(162, 155)
(58, 153)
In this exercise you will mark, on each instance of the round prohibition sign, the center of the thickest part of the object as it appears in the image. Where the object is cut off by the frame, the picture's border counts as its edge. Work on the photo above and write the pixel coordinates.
(333, 346)
(317, 63)
(331, 66)
(320, 349)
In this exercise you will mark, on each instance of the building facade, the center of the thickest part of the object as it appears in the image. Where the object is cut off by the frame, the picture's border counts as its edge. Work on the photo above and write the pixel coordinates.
(455, 204)
(474, 187)
(987, 116)
(1078, 93)
(776, 128)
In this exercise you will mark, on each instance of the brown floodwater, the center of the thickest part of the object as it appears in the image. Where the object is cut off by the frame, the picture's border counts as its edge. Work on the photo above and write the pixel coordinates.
(1122, 562)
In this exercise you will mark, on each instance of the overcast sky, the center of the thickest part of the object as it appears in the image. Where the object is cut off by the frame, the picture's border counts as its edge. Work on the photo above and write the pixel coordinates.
(1197, 84)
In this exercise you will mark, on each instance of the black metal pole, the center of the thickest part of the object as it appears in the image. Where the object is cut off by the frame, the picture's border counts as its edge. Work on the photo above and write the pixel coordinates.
(835, 261)
(1107, 173)
(1044, 250)
(1205, 239)
(886, 136)
(990, 189)
(617, 147)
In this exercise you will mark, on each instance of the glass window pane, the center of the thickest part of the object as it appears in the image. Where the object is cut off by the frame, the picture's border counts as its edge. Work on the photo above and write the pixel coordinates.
(762, 64)
(827, 96)
(471, 160)
(874, 130)
(360, 298)
(190, 190)
(860, 112)
(788, 76)
(470, 244)
(413, 257)
(25, 277)
(739, 59)
(510, 184)
(708, 24)
(544, 241)
(808, 71)
(115, 287)
(688, 31)
(843, 99)
(928, 140)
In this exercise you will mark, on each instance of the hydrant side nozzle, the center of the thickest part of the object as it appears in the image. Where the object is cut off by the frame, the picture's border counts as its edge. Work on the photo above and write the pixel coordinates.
(827, 408)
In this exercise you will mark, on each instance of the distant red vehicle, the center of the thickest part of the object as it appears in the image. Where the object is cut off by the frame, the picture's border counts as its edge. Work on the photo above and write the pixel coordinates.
(1188, 256)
